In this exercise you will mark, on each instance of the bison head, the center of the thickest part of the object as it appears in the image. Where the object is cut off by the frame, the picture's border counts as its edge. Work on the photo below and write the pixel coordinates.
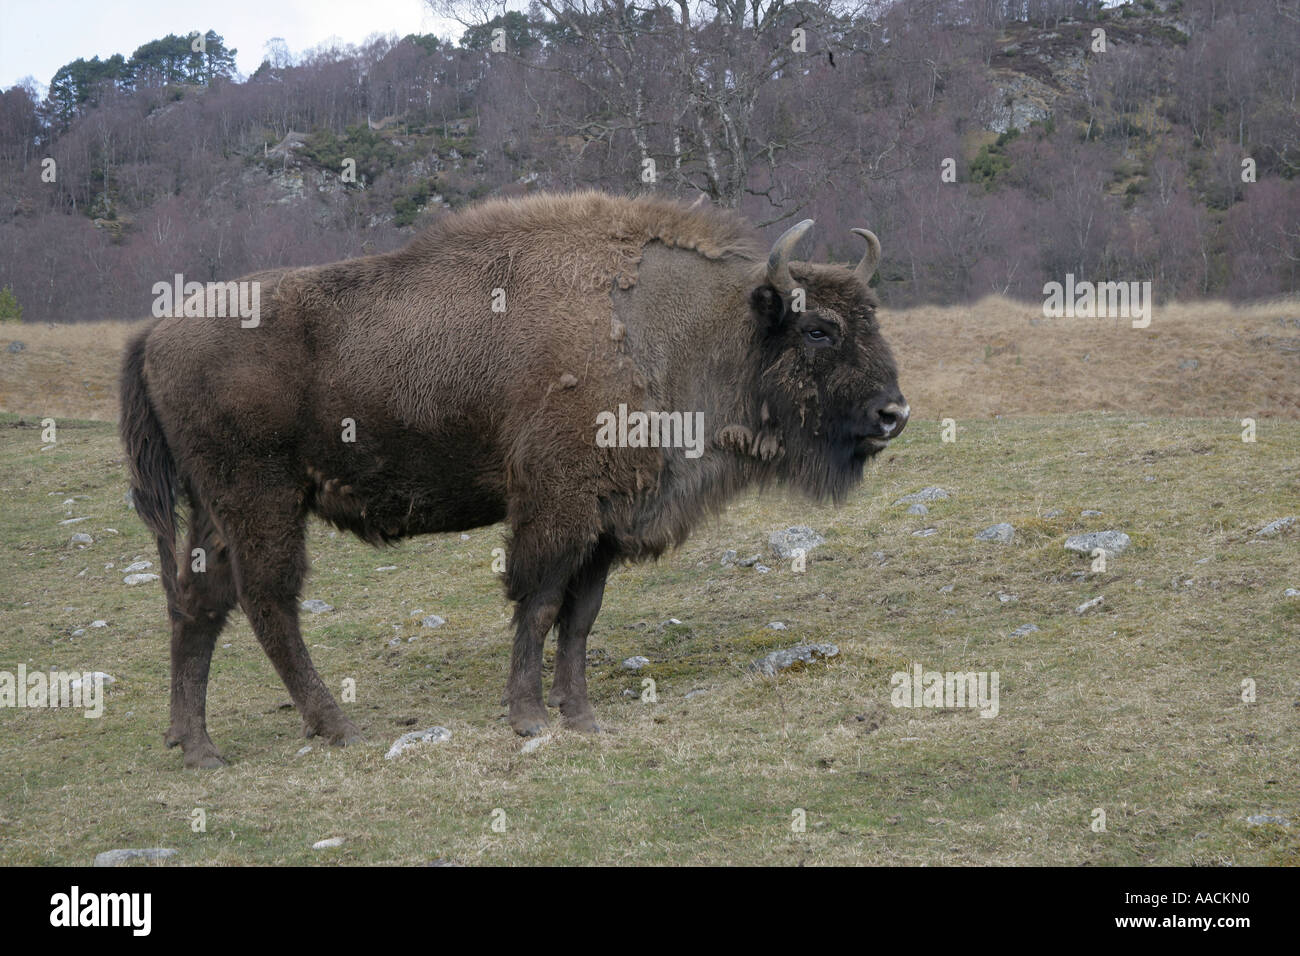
(827, 387)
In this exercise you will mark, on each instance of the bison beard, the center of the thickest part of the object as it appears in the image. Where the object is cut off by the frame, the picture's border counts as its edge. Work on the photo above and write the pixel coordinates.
(462, 416)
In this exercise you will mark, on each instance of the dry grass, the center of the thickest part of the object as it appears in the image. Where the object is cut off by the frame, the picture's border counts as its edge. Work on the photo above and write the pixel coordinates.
(996, 357)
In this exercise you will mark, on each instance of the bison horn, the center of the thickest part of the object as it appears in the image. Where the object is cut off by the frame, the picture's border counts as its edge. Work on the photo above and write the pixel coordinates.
(871, 258)
(778, 266)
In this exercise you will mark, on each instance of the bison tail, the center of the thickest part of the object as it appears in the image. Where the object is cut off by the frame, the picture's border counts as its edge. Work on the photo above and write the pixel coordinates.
(153, 469)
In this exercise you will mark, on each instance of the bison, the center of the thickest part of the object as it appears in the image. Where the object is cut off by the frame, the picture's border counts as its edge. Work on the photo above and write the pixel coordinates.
(460, 381)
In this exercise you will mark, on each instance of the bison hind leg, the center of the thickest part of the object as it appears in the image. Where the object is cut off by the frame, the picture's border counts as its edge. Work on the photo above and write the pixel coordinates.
(205, 593)
(582, 600)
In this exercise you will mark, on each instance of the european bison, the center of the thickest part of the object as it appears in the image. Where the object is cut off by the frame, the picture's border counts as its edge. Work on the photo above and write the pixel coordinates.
(475, 366)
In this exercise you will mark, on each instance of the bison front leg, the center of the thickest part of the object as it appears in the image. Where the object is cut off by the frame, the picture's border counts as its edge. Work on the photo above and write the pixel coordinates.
(581, 605)
(534, 616)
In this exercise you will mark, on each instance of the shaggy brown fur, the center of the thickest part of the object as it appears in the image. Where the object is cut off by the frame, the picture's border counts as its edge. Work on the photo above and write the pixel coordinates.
(465, 417)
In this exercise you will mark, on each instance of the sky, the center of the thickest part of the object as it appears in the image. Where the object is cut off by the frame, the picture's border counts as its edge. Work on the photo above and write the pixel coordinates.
(36, 38)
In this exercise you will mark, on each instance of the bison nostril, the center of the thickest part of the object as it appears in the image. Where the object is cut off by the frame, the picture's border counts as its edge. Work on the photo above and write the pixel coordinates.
(892, 418)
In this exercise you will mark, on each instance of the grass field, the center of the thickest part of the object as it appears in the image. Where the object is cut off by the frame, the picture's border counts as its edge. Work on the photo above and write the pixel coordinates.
(1133, 708)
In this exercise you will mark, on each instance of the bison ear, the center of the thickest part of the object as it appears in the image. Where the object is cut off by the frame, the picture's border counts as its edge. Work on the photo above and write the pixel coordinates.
(768, 306)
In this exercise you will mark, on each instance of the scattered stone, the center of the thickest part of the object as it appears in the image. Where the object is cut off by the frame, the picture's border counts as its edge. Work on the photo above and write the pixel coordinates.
(316, 606)
(776, 626)
(387, 567)
(81, 539)
(1112, 542)
(1261, 819)
(1054, 513)
(635, 663)
(434, 735)
(728, 558)
(629, 693)
(464, 537)
(329, 843)
(433, 620)
(78, 632)
(947, 589)
(794, 658)
(750, 561)
(925, 532)
(135, 566)
(918, 509)
(95, 676)
(119, 857)
(933, 493)
(689, 693)
(878, 556)
(762, 568)
(303, 751)
(16, 346)
(1005, 598)
(785, 543)
(99, 623)
(79, 520)
(1025, 629)
(1188, 365)
(1090, 513)
(535, 743)
(1273, 527)
(1001, 532)
(395, 642)
(139, 578)
(1087, 606)
(1291, 592)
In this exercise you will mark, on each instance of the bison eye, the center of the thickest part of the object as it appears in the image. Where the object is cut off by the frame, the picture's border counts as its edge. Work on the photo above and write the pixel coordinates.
(817, 337)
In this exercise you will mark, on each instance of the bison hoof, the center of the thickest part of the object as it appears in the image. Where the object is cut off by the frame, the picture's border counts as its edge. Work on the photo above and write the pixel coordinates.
(204, 757)
(528, 720)
(583, 720)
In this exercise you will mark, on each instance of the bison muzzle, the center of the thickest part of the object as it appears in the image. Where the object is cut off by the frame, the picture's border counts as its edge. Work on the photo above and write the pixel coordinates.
(459, 382)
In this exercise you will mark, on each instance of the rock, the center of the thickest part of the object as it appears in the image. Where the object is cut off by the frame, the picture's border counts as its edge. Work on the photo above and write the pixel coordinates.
(1087, 606)
(925, 532)
(750, 561)
(1004, 598)
(1054, 513)
(139, 578)
(78, 632)
(434, 735)
(785, 543)
(135, 566)
(918, 509)
(81, 539)
(535, 743)
(1024, 629)
(762, 568)
(303, 751)
(635, 663)
(1188, 365)
(695, 693)
(1089, 513)
(119, 857)
(1291, 592)
(776, 626)
(433, 620)
(933, 493)
(1002, 533)
(79, 520)
(15, 346)
(387, 567)
(728, 558)
(1261, 819)
(1112, 542)
(1275, 527)
(947, 589)
(329, 843)
(99, 623)
(794, 658)
(316, 606)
